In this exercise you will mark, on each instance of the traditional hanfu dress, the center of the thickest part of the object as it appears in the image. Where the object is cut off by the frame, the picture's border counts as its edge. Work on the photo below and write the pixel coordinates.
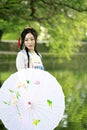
(31, 99)
(34, 60)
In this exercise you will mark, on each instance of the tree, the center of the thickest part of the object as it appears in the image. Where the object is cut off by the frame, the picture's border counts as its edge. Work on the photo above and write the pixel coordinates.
(39, 10)
(63, 20)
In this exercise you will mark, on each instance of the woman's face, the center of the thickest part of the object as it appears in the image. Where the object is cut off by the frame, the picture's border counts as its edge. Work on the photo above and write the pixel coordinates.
(29, 41)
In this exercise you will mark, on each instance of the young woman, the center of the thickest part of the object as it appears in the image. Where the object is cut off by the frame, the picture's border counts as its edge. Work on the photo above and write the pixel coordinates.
(28, 56)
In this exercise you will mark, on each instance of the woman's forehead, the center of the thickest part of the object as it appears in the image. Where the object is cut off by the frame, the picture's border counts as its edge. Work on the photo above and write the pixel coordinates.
(29, 35)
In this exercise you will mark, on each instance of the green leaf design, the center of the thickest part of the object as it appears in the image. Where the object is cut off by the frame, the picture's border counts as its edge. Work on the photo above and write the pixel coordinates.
(17, 95)
(28, 81)
(35, 122)
(10, 90)
(49, 102)
(7, 103)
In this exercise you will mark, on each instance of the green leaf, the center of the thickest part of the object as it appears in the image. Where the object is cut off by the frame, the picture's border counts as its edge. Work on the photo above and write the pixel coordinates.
(7, 103)
(49, 102)
(28, 81)
(35, 122)
(10, 90)
(18, 95)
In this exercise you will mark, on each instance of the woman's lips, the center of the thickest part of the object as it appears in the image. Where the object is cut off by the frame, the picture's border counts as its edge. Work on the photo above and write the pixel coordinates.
(30, 46)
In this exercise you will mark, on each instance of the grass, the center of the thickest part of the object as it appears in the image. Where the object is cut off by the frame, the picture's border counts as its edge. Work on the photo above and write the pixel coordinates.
(4, 76)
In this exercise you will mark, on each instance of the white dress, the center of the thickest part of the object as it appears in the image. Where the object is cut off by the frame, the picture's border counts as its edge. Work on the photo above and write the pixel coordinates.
(34, 61)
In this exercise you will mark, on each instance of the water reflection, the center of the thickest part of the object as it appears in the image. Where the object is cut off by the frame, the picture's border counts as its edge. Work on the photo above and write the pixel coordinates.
(74, 84)
(75, 88)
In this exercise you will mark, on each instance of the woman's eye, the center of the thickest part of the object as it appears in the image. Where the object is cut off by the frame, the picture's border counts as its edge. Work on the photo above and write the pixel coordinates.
(32, 39)
(26, 39)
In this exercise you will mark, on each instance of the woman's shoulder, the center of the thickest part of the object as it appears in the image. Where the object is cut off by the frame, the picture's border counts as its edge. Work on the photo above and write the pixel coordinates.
(22, 52)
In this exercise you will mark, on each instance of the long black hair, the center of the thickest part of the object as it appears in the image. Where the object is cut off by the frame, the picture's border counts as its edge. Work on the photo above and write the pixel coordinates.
(23, 34)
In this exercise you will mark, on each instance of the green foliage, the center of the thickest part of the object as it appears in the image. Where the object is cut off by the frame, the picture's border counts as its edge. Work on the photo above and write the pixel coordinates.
(73, 78)
(64, 22)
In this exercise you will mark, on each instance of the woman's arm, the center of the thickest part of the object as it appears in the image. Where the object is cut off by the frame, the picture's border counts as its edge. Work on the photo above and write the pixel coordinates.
(20, 61)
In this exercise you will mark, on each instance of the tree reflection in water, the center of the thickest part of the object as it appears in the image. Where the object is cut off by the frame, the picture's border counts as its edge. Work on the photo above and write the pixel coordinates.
(73, 78)
(75, 88)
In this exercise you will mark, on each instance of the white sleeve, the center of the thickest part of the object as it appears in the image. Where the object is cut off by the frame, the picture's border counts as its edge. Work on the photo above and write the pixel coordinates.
(20, 61)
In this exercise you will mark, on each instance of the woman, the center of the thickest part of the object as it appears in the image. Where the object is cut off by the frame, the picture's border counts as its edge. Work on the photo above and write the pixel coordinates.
(32, 87)
(28, 57)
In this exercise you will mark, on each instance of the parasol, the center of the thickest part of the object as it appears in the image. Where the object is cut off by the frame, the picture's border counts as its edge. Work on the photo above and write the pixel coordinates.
(31, 99)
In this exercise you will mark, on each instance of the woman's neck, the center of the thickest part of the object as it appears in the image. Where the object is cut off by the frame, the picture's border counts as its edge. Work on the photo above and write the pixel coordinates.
(32, 52)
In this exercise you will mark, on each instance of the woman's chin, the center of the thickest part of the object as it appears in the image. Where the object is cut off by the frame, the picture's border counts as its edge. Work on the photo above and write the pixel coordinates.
(30, 49)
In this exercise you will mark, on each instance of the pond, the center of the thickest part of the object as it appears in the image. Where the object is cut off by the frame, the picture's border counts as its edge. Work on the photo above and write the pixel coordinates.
(72, 75)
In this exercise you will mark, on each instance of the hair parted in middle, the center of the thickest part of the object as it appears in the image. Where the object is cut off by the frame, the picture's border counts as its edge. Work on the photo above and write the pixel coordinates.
(28, 30)
(23, 34)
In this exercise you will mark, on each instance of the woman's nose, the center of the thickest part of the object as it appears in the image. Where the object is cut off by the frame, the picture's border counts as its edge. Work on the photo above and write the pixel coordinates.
(29, 41)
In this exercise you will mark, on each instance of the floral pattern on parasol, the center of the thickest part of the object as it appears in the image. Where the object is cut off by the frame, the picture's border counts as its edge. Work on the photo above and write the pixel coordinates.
(31, 99)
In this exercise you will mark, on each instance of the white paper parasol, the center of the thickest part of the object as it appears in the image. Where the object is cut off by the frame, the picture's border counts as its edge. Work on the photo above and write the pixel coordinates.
(31, 99)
